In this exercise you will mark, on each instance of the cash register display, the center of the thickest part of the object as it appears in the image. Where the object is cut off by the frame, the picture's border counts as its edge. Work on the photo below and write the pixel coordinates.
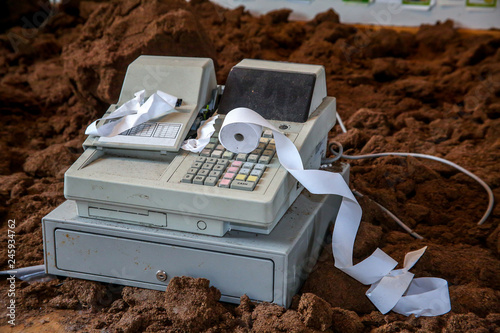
(274, 94)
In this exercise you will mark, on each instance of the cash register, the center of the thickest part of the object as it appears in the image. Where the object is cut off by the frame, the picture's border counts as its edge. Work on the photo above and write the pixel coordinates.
(141, 210)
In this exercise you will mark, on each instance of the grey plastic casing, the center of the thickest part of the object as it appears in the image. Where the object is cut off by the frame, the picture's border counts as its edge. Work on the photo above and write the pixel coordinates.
(267, 268)
(133, 185)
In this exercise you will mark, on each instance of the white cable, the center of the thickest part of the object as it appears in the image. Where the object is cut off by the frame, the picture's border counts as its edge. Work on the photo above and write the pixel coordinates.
(491, 198)
(339, 155)
(341, 124)
(394, 217)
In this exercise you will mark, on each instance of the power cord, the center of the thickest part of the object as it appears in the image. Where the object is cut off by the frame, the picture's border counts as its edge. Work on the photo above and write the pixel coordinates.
(394, 217)
(339, 154)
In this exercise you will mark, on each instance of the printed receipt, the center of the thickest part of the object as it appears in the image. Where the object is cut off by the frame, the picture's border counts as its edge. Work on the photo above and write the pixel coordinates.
(391, 289)
(130, 119)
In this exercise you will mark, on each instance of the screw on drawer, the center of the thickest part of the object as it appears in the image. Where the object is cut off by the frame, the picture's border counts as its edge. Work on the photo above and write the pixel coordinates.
(161, 276)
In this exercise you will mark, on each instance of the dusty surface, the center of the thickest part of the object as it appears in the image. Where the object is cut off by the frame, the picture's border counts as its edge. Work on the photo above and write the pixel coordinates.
(435, 91)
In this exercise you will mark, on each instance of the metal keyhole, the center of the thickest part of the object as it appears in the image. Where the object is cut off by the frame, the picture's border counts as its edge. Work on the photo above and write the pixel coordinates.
(161, 276)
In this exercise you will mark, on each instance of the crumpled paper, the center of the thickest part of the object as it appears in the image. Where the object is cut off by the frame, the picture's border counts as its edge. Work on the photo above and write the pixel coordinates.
(132, 113)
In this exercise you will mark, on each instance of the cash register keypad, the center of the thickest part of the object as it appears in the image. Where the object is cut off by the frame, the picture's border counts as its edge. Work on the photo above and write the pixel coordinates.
(216, 166)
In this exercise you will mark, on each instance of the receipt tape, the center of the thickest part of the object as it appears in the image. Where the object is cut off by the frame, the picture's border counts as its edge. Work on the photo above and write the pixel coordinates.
(391, 289)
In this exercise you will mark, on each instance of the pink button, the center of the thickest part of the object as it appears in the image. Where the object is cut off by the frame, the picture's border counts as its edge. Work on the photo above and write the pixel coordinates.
(236, 164)
(229, 175)
(233, 170)
(225, 183)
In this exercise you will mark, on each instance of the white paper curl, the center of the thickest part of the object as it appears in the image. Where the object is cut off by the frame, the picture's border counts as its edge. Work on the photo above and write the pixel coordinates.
(134, 112)
(204, 134)
(424, 296)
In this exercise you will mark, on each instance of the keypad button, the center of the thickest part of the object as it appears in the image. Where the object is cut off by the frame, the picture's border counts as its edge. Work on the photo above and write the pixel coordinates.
(244, 171)
(206, 152)
(219, 167)
(223, 162)
(210, 181)
(210, 146)
(272, 142)
(217, 153)
(207, 166)
(220, 147)
(257, 172)
(228, 155)
(193, 171)
(262, 145)
(240, 177)
(241, 157)
(260, 167)
(187, 178)
(236, 164)
(229, 175)
(253, 158)
(271, 146)
(211, 160)
(201, 159)
(233, 169)
(213, 140)
(225, 183)
(252, 179)
(215, 173)
(268, 152)
(242, 185)
(203, 172)
(264, 160)
(196, 165)
(248, 165)
(267, 134)
(198, 180)
(257, 151)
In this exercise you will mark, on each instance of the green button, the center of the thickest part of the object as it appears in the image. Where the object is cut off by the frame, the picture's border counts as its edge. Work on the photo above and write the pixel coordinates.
(242, 157)
(228, 155)
(253, 158)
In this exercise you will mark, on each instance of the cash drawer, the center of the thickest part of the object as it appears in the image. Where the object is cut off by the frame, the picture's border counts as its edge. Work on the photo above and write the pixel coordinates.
(136, 260)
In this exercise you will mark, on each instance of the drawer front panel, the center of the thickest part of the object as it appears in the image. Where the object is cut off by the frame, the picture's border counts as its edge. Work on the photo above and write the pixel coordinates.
(137, 260)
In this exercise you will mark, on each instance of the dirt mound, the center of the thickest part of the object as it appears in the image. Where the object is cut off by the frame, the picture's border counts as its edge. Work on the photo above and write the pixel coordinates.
(117, 33)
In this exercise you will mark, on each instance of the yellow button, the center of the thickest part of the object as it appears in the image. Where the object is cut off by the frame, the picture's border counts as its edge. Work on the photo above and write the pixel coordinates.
(241, 177)
(252, 179)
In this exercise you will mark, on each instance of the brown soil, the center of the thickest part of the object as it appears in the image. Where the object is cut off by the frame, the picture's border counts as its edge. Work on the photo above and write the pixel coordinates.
(434, 91)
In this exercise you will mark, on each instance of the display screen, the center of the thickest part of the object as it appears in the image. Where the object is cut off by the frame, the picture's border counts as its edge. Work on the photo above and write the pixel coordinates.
(275, 95)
